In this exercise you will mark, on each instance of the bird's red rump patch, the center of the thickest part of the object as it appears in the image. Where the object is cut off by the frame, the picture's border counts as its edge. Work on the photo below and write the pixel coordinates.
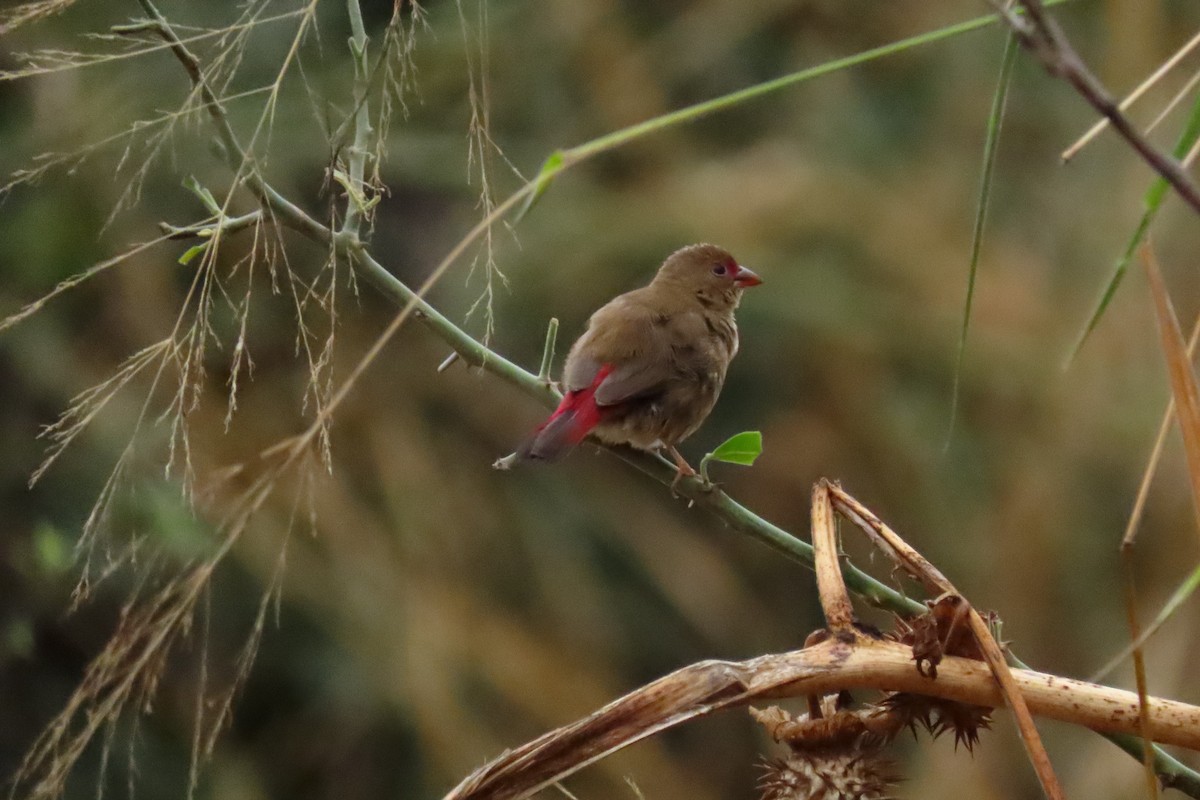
(587, 413)
(581, 406)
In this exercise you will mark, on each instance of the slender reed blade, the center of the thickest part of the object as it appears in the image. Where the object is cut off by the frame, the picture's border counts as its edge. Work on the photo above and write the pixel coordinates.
(1183, 377)
(991, 146)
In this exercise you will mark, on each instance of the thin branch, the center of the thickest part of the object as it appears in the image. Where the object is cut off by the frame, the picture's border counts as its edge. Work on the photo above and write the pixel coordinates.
(1139, 666)
(235, 155)
(206, 228)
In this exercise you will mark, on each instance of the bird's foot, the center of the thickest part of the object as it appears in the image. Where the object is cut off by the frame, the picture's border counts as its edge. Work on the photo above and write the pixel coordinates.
(682, 470)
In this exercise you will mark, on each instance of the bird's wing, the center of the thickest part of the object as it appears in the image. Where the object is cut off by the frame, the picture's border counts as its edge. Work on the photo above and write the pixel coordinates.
(630, 382)
(632, 341)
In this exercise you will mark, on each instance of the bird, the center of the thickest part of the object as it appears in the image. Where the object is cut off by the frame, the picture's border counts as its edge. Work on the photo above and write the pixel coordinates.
(649, 367)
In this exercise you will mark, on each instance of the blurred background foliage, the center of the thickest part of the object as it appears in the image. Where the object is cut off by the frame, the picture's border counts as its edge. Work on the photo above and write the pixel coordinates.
(434, 612)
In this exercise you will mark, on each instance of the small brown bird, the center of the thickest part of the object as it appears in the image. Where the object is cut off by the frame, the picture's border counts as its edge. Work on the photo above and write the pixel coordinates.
(649, 367)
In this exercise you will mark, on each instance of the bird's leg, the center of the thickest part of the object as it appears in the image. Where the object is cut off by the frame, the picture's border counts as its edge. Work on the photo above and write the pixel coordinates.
(682, 468)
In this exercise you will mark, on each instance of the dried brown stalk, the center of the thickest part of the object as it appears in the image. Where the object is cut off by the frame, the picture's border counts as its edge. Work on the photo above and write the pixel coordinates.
(835, 599)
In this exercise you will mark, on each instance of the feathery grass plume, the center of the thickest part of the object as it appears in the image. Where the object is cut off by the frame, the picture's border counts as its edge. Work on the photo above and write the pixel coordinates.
(399, 68)
(17, 16)
(481, 150)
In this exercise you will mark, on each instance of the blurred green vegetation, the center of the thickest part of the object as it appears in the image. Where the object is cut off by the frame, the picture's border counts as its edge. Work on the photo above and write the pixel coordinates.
(436, 612)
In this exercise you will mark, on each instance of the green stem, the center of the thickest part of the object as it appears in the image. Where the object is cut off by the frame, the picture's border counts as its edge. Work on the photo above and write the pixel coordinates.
(205, 229)
(694, 112)
(548, 351)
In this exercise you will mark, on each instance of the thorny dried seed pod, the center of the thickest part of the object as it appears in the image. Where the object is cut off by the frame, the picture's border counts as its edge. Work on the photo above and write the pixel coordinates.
(828, 775)
(835, 756)
(939, 716)
(941, 631)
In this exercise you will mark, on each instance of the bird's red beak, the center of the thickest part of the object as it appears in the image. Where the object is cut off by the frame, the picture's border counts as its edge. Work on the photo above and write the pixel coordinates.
(746, 278)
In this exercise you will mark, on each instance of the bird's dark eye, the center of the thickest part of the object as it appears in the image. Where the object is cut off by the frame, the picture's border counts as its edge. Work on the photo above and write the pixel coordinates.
(719, 269)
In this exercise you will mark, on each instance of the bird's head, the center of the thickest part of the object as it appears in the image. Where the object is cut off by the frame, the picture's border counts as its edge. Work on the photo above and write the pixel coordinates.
(709, 272)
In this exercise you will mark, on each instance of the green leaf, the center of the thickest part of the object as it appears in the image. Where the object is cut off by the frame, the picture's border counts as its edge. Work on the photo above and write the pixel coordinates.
(550, 169)
(192, 252)
(744, 449)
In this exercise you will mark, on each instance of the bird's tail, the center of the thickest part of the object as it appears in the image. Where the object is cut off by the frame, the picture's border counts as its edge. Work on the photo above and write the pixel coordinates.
(575, 417)
(570, 423)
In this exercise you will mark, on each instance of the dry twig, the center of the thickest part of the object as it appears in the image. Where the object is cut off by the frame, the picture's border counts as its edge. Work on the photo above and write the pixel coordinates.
(1041, 35)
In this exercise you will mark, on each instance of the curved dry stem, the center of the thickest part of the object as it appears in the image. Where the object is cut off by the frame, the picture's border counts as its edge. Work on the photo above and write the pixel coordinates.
(835, 600)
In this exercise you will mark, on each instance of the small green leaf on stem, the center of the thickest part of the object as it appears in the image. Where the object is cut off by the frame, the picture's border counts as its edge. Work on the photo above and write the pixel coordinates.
(549, 171)
(191, 253)
(743, 448)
